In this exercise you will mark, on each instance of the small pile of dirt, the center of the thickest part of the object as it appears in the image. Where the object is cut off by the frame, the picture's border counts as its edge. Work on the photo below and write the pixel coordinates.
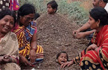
(54, 33)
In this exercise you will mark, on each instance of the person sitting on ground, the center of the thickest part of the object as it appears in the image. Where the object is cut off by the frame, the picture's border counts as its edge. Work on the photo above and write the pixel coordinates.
(26, 33)
(95, 56)
(62, 57)
(9, 57)
(78, 33)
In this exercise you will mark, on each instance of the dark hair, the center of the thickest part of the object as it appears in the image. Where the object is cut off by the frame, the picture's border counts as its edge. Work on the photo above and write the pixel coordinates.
(60, 54)
(25, 9)
(53, 4)
(36, 16)
(5, 12)
(105, 1)
(101, 14)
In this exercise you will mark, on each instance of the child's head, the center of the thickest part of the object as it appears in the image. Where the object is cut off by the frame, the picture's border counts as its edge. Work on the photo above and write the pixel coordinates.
(62, 57)
(52, 7)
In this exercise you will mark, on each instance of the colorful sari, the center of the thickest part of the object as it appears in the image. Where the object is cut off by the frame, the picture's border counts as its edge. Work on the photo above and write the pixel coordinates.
(9, 46)
(96, 60)
(24, 36)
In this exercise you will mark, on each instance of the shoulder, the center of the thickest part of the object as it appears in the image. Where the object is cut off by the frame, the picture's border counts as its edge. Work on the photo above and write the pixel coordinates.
(13, 36)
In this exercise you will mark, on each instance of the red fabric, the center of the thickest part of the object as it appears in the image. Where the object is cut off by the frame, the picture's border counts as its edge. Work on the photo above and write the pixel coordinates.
(102, 42)
(14, 5)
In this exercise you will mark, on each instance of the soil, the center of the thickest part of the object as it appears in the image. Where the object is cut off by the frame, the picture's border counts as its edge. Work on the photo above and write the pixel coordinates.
(54, 33)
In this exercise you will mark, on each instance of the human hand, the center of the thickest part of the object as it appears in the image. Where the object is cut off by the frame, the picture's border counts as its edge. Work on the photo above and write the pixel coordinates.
(79, 35)
(75, 32)
(92, 47)
(63, 65)
(6, 59)
(32, 56)
(25, 61)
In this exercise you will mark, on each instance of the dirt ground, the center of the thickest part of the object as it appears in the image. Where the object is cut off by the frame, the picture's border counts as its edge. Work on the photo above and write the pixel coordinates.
(55, 35)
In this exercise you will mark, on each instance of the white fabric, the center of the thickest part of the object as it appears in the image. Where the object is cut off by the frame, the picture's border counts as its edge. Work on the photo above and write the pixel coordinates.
(106, 7)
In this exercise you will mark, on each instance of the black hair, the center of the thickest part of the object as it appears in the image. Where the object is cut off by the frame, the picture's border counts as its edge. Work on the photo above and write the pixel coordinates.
(36, 16)
(53, 4)
(25, 9)
(105, 1)
(5, 12)
(101, 14)
(61, 53)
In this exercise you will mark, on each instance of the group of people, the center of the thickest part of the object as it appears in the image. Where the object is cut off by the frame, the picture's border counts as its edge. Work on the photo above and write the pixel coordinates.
(18, 38)
(95, 56)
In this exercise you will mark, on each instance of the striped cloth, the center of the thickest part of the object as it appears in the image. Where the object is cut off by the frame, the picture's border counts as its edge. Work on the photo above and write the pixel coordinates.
(24, 36)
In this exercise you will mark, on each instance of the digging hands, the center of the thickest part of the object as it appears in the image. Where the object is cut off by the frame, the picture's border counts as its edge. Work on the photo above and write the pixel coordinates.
(63, 65)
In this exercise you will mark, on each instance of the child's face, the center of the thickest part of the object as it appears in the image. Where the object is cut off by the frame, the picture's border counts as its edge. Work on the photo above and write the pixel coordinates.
(62, 58)
(50, 10)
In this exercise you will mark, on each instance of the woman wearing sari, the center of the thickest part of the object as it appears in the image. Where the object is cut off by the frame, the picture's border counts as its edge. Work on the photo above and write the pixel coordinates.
(95, 57)
(9, 57)
(25, 30)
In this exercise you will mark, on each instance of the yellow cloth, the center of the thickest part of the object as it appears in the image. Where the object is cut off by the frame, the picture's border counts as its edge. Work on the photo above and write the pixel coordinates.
(26, 50)
(24, 36)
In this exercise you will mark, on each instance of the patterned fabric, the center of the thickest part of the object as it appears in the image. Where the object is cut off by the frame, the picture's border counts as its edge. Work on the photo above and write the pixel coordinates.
(24, 36)
(4, 4)
(9, 46)
(93, 60)
(14, 5)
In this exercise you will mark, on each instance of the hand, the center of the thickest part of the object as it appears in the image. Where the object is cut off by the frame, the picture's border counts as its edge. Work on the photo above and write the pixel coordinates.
(6, 59)
(66, 64)
(32, 55)
(79, 35)
(75, 32)
(25, 61)
(92, 47)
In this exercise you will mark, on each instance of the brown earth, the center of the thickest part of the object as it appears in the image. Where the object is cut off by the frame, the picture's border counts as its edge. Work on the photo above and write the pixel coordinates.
(55, 35)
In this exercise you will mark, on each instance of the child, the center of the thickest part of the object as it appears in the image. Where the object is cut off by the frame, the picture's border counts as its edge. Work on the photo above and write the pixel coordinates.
(52, 7)
(62, 57)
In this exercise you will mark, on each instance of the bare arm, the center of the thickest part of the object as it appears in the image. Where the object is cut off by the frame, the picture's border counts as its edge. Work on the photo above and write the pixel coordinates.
(33, 42)
(24, 60)
(83, 34)
(33, 48)
(78, 34)
(84, 27)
